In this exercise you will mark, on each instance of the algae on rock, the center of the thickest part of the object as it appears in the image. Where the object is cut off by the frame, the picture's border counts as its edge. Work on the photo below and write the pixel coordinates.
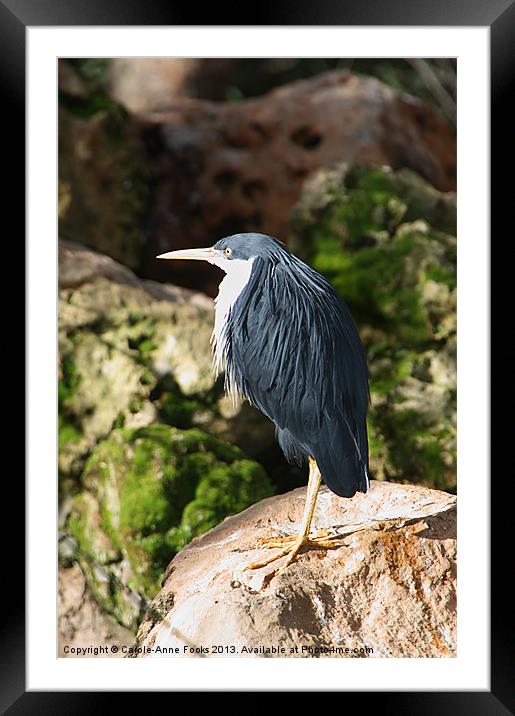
(387, 242)
(146, 493)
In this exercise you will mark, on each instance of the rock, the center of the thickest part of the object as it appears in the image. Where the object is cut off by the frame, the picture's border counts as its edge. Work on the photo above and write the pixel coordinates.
(134, 185)
(120, 339)
(387, 242)
(390, 587)
(103, 187)
(222, 168)
(82, 625)
(146, 84)
(145, 493)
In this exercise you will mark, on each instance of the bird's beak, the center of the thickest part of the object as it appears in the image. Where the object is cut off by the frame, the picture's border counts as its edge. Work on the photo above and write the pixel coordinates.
(209, 254)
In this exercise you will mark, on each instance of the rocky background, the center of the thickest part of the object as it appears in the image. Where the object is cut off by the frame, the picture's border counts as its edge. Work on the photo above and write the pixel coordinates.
(353, 164)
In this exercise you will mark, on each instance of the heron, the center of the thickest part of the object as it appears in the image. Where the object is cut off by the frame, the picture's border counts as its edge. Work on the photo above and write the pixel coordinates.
(288, 344)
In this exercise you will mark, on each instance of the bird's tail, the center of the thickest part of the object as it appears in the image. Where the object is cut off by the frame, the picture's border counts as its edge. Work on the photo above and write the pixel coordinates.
(343, 463)
(345, 479)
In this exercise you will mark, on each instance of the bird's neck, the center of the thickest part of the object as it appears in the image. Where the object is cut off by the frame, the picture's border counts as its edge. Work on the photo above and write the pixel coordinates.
(229, 291)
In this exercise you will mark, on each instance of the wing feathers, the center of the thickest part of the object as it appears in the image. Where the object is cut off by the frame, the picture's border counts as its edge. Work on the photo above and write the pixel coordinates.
(297, 356)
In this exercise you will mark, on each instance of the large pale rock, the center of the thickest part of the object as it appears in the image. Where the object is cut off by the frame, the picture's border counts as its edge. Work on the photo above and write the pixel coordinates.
(222, 168)
(389, 587)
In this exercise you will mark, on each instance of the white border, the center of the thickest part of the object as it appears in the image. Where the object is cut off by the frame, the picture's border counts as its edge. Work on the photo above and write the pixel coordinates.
(470, 670)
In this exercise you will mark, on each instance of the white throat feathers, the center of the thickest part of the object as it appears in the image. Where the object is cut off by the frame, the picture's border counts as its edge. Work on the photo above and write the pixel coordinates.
(237, 276)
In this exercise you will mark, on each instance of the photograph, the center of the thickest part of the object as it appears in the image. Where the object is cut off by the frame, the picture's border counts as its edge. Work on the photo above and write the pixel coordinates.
(259, 374)
(257, 385)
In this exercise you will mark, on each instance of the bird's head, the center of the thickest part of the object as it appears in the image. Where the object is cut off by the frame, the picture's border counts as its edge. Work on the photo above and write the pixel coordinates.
(232, 252)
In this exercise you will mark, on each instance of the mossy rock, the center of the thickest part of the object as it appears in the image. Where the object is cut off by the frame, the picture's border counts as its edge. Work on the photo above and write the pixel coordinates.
(145, 494)
(126, 358)
(134, 352)
(387, 242)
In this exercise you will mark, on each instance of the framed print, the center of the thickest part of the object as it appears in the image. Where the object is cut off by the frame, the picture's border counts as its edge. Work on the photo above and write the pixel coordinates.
(169, 531)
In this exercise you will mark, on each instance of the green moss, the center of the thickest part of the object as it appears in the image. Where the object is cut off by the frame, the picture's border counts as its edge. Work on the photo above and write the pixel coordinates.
(87, 107)
(155, 488)
(391, 366)
(109, 525)
(69, 380)
(414, 449)
(176, 409)
(371, 207)
(93, 69)
(359, 206)
(441, 274)
(378, 263)
(119, 421)
(68, 428)
(68, 433)
(224, 491)
(135, 405)
(142, 341)
(91, 76)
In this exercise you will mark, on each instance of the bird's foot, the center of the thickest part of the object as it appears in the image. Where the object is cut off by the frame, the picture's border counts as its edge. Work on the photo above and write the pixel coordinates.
(291, 546)
(272, 542)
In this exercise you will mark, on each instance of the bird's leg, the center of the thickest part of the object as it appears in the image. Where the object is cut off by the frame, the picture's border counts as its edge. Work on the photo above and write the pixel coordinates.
(302, 539)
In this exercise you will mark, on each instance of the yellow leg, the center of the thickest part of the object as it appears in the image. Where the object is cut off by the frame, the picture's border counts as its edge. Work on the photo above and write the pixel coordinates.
(302, 539)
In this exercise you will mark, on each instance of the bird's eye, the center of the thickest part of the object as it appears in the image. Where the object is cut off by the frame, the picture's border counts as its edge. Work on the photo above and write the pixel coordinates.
(228, 251)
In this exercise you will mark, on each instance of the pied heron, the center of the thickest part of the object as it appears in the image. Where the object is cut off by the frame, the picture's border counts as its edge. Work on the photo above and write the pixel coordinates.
(288, 344)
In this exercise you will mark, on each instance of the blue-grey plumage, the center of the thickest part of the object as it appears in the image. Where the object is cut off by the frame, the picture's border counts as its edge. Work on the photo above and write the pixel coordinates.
(289, 345)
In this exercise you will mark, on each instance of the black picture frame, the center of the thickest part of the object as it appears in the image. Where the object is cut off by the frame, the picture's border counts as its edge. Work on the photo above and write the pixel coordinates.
(499, 16)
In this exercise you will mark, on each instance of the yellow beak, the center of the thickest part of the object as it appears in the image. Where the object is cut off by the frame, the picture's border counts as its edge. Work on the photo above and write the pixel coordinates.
(192, 254)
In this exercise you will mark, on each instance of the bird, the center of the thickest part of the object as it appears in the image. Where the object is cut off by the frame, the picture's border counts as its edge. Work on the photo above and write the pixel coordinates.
(289, 345)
